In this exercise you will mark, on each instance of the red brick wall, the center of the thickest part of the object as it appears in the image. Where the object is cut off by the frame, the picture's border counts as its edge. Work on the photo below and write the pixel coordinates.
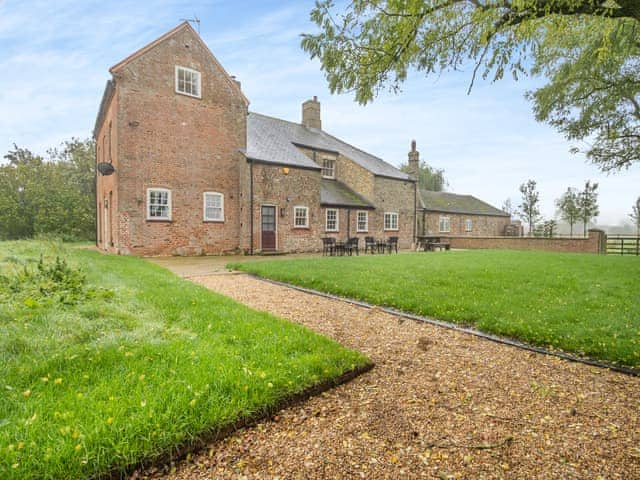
(185, 144)
(482, 225)
(108, 234)
(593, 244)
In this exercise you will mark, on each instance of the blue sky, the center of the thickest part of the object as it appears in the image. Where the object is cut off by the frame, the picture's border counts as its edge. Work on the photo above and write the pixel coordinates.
(55, 57)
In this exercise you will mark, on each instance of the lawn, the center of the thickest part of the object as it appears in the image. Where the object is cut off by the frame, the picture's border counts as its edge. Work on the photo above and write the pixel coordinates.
(587, 304)
(108, 361)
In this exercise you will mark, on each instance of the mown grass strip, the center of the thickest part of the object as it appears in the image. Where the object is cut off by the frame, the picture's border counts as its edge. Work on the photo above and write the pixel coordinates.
(586, 304)
(135, 364)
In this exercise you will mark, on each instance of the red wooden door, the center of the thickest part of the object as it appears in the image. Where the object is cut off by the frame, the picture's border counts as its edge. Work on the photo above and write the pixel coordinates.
(268, 215)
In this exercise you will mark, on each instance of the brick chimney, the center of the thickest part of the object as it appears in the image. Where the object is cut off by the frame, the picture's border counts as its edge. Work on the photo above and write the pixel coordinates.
(311, 113)
(414, 160)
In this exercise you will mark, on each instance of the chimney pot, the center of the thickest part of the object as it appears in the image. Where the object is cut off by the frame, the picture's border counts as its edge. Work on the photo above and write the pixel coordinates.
(414, 161)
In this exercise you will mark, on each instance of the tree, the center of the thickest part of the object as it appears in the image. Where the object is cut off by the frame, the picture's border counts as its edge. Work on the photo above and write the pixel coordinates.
(429, 178)
(529, 210)
(635, 216)
(568, 209)
(588, 204)
(53, 196)
(507, 207)
(588, 50)
(549, 227)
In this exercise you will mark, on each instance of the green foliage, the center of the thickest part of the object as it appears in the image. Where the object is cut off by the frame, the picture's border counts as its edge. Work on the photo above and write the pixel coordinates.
(429, 178)
(568, 208)
(588, 204)
(549, 227)
(91, 388)
(49, 197)
(635, 216)
(582, 303)
(588, 50)
(46, 283)
(529, 209)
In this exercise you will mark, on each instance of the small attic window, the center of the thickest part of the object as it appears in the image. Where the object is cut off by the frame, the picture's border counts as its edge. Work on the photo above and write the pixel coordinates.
(188, 82)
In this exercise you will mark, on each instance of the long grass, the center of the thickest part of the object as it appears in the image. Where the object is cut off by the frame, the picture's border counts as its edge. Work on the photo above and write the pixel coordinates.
(587, 304)
(140, 363)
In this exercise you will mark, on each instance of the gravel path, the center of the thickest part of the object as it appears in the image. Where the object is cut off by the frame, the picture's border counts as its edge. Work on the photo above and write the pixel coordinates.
(438, 404)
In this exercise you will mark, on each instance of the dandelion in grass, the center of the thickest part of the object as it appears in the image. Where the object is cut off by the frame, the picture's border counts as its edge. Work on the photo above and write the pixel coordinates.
(26, 393)
(109, 420)
(58, 381)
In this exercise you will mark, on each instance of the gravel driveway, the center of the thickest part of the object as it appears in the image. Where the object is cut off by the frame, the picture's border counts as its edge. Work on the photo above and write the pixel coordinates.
(438, 404)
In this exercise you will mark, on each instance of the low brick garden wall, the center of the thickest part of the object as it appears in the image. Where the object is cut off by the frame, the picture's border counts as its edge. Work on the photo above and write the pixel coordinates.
(594, 243)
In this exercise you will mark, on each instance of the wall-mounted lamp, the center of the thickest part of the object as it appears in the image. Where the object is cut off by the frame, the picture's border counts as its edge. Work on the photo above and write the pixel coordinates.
(283, 212)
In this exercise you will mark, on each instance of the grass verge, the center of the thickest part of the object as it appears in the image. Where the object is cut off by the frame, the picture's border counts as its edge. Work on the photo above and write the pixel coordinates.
(109, 361)
(586, 304)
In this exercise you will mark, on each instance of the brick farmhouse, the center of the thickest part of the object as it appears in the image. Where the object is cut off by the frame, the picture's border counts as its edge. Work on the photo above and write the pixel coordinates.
(185, 169)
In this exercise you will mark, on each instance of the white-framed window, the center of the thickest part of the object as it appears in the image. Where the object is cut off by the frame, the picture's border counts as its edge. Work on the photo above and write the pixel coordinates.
(390, 221)
(329, 168)
(213, 207)
(445, 224)
(188, 82)
(331, 224)
(158, 204)
(468, 225)
(300, 217)
(362, 221)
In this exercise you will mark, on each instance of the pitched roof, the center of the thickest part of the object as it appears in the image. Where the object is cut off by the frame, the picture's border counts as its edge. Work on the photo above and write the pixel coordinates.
(453, 203)
(184, 25)
(273, 140)
(336, 194)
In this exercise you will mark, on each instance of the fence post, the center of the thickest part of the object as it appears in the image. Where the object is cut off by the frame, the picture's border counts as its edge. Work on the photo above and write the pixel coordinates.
(599, 238)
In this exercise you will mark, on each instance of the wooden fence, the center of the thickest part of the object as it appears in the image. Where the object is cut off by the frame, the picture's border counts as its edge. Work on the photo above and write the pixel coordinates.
(623, 245)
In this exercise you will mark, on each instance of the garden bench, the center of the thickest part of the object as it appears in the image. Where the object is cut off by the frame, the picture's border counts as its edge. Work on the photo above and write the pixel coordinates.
(439, 245)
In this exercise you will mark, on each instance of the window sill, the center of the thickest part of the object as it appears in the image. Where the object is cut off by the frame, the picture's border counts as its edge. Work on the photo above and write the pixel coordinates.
(301, 228)
(362, 231)
(391, 229)
(332, 231)
(199, 97)
(213, 221)
(159, 220)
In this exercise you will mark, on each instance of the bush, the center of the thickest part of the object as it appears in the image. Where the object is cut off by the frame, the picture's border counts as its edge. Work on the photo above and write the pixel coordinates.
(47, 283)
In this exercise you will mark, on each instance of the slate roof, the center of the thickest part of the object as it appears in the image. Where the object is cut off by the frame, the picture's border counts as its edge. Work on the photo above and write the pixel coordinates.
(334, 193)
(274, 141)
(453, 203)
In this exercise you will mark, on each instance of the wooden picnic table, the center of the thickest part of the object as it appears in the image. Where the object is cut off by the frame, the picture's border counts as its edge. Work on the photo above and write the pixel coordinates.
(429, 243)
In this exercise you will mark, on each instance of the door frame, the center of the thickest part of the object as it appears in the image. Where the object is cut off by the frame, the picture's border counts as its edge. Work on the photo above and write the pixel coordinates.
(275, 216)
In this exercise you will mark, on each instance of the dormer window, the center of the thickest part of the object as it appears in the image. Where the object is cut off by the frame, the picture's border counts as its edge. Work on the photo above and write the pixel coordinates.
(329, 168)
(188, 82)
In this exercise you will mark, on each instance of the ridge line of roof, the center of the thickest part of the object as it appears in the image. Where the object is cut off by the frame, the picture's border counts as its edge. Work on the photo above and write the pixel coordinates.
(321, 131)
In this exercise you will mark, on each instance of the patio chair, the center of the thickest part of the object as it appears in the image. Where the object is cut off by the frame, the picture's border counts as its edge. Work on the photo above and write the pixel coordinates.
(370, 244)
(353, 245)
(392, 243)
(328, 245)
